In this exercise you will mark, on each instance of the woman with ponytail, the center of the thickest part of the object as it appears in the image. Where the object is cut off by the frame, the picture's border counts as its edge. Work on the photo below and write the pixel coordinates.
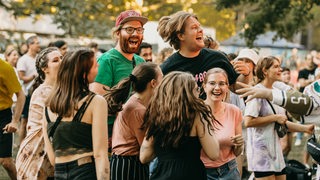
(127, 135)
(32, 161)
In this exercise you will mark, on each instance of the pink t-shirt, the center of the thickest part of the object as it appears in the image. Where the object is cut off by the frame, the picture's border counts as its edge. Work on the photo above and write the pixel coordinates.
(231, 119)
(127, 136)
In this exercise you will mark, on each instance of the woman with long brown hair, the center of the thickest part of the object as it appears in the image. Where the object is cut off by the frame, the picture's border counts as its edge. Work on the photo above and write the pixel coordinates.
(77, 121)
(178, 125)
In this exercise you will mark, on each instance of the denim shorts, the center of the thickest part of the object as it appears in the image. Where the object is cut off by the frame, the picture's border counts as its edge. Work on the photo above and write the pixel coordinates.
(83, 168)
(228, 171)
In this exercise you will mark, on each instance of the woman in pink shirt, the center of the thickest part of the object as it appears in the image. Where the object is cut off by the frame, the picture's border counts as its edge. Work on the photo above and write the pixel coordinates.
(229, 133)
(127, 135)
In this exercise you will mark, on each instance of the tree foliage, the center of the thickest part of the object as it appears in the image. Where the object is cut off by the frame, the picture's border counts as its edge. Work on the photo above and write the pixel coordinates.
(286, 17)
(96, 17)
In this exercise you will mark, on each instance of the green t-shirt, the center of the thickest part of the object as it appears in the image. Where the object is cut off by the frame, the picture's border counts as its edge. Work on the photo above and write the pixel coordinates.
(113, 67)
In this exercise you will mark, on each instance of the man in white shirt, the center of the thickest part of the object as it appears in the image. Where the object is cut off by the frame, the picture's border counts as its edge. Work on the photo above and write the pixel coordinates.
(26, 67)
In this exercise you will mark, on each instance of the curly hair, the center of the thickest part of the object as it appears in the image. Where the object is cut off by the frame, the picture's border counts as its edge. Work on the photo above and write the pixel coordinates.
(173, 109)
(170, 26)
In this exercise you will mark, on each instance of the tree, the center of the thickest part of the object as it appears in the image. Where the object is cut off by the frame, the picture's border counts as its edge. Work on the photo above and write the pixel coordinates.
(286, 17)
(96, 17)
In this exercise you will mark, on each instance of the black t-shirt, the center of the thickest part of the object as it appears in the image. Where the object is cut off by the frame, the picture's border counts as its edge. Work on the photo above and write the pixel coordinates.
(199, 65)
(306, 74)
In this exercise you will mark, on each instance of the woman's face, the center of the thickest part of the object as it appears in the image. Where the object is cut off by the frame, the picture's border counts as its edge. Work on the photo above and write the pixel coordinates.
(54, 60)
(93, 71)
(13, 58)
(274, 72)
(216, 87)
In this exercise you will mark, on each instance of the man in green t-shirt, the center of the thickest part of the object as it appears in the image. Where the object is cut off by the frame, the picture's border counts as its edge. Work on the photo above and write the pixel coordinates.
(9, 85)
(118, 62)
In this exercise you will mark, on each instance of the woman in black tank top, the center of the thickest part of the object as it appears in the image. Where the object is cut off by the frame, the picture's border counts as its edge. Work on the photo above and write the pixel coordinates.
(178, 124)
(76, 133)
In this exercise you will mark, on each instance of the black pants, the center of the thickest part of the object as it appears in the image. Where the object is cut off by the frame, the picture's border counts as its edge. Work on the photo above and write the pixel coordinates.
(5, 138)
(128, 168)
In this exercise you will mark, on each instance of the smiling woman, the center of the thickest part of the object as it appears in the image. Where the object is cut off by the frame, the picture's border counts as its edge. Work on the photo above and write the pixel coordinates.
(263, 142)
(229, 134)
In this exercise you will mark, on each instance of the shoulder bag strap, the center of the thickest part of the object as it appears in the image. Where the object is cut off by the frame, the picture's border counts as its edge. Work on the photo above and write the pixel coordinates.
(271, 107)
(275, 111)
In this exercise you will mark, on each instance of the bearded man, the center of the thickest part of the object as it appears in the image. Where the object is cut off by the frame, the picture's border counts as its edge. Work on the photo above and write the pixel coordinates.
(118, 63)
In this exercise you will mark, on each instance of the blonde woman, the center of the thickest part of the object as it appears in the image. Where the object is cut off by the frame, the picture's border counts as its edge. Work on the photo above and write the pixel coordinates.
(229, 134)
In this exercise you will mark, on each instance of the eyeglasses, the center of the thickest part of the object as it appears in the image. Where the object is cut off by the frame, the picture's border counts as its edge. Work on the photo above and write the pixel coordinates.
(130, 30)
(221, 83)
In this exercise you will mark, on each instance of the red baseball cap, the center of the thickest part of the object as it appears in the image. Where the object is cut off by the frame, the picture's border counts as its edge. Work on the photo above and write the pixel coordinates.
(130, 15)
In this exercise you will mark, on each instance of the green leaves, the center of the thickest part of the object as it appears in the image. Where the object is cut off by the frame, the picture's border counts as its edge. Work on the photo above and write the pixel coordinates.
(286, 17)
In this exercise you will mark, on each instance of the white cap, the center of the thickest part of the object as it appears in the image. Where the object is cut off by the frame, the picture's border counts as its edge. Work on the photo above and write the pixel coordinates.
(249, 54)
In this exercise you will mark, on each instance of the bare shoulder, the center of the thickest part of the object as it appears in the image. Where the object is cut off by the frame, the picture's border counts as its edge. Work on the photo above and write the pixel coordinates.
(98, 100)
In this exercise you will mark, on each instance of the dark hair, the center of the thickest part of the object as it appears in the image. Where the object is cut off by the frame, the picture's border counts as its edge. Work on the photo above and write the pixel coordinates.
(142, 46)
(264, 63)
(42, 62)
(285, 69)
(93, 45)
(232, 56)
(59, 43)
(51, 44)
(72, 83)
(173, 109)
(141, 75)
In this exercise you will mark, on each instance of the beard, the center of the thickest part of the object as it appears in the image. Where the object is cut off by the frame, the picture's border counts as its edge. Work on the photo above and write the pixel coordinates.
(130, 44)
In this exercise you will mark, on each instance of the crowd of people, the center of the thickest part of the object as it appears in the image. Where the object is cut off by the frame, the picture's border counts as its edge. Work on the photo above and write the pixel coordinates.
(193, 112)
